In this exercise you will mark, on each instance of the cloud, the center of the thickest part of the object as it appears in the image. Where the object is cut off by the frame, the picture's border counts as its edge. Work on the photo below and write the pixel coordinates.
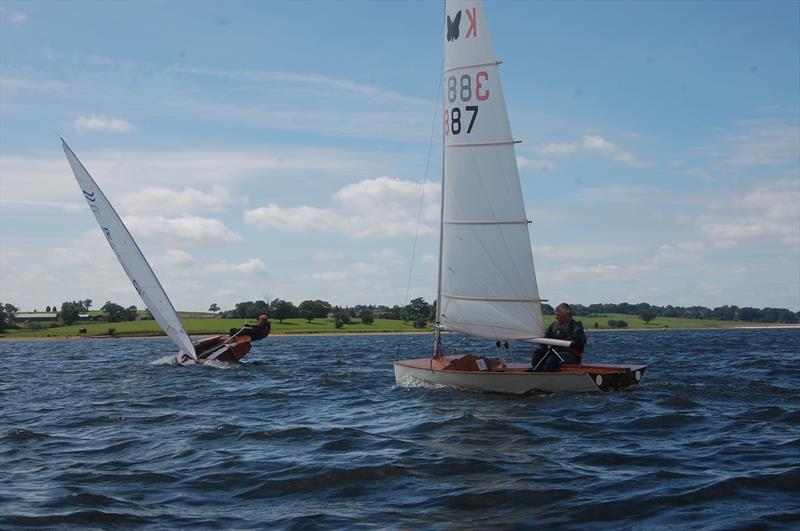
(185, 230)
(96, 122)
(18, 17)
(304, 80)
(541, 165)
(590, 143)
(559, 149)
(168, 201)
(599, 144)
(773, 143)
(297, 219)
(369, 208)
(321, 257)
(767, 212)
(174, 257)
(252, 266)
(386, 257)
(132, 178)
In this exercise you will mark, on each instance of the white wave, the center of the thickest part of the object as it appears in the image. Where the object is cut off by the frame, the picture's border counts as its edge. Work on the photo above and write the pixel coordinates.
(166, 360)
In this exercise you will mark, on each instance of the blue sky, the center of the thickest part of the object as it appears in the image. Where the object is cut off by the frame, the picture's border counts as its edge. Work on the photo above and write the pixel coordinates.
(268, 149)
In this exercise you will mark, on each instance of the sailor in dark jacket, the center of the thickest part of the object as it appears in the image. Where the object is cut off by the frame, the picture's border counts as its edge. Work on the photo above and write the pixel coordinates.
(564, 328)
(259, 331)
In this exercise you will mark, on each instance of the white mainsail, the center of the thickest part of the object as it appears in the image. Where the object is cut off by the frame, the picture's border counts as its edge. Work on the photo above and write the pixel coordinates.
(487, 282)
(130, 257)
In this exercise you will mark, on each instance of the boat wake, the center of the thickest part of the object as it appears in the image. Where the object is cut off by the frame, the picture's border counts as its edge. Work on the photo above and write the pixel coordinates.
(166, 360)
(412, 382)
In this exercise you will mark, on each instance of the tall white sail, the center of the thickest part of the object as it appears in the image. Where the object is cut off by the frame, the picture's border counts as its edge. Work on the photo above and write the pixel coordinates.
(130, 257)
(487, 279)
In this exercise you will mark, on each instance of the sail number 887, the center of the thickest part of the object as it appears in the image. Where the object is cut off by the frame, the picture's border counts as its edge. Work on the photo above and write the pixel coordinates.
(462, 88)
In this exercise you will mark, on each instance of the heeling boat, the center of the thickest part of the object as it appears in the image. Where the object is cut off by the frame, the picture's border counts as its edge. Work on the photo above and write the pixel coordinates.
(218, 348)
(487, 282)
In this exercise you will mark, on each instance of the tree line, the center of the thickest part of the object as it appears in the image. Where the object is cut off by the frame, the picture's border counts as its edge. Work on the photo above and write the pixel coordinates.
(648, 312)
(418, 311)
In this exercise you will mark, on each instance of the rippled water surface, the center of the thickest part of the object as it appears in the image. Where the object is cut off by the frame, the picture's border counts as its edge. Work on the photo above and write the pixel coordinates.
(312, 433)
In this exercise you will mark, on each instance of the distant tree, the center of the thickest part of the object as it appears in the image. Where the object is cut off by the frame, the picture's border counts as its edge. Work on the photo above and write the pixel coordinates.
(306, 310)
(339, 323)
(147, 316)
(367, 317)
(47, 309)
(647, 315)
(342, 314)
(280, 309)
(613, 323)
(7, 314)
(117, 313)
(70, 312)
(417, 309)
(86, 303)
(420, 322)
(311, 309)
(214, 308)
(748, 314)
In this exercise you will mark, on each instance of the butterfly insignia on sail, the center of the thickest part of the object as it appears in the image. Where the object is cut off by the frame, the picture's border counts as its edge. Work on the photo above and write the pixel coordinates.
(452, 27)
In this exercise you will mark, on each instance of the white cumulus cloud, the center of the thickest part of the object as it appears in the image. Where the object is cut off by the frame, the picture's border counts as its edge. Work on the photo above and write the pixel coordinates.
(96, 122)
(590, 143)
(369, 208)
(252, 266)
(186, 230)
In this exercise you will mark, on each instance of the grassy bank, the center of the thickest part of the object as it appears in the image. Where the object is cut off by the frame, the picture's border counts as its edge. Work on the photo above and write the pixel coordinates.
(210, 326)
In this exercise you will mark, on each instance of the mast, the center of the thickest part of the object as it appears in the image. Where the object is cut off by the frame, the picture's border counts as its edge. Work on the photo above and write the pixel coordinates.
(437, 344)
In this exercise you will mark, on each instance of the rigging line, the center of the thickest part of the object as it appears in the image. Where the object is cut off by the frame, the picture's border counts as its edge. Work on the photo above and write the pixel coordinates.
(424, 186)
(422, 196)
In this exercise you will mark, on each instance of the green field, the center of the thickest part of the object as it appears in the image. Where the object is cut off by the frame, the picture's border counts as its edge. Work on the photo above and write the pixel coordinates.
(209, 326)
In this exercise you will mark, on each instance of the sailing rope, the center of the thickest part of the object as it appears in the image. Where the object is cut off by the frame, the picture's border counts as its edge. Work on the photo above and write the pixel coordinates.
(422, 194)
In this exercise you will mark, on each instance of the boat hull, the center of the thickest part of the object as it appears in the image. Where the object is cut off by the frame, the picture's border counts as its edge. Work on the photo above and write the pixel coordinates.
(515, 380)
(217, 348)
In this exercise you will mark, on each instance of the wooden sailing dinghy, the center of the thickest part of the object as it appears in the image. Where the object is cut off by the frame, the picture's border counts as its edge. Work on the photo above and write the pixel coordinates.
(487, 283)
(219, 348)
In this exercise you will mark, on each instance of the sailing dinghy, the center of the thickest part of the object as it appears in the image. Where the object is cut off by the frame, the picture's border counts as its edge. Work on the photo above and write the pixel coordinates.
(487, 283)
(218, 348)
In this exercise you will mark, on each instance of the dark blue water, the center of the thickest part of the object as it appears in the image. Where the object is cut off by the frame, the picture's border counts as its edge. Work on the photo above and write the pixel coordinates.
(311, 433)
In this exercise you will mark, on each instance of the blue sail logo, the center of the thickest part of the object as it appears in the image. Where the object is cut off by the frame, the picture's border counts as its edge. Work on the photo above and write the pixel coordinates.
(89, 196)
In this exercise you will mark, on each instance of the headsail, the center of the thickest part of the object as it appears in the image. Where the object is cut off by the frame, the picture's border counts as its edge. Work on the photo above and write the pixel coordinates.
(130, 257)
(487, 280)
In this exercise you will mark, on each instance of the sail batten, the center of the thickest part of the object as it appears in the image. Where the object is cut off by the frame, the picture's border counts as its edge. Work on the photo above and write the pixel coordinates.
(130, 256)
(487, 282)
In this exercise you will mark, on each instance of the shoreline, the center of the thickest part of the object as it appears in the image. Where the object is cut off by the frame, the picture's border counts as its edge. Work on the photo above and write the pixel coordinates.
(399, 332)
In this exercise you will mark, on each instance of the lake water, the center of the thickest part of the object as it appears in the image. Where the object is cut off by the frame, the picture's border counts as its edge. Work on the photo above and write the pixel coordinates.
(311, 433)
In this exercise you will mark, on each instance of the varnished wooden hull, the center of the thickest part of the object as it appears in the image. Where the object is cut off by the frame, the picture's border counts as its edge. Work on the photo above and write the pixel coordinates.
(217, 348)
(515, 380)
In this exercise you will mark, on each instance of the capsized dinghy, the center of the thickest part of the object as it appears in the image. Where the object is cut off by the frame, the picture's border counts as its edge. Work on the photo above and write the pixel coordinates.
(220, 348)
(487, 283)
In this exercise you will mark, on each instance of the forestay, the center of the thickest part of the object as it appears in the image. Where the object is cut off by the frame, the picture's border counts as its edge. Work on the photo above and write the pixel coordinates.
(130, 257)
(487, 279)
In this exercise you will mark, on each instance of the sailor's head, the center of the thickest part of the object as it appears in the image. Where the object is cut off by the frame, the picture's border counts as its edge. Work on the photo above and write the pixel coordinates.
(263, 317)
(563, 313)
